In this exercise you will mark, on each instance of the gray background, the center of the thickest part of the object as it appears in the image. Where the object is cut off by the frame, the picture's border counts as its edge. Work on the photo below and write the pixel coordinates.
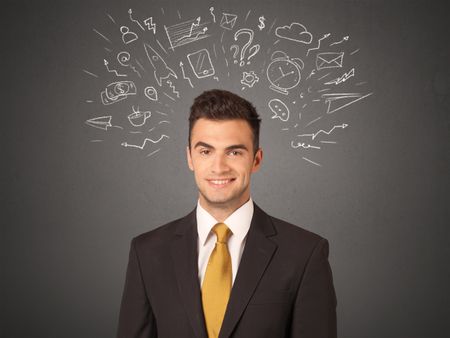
(70, 207)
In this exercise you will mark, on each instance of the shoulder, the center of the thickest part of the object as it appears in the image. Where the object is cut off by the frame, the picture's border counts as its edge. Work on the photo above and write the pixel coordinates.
(296, 232)
(292, 238)
(162, 235)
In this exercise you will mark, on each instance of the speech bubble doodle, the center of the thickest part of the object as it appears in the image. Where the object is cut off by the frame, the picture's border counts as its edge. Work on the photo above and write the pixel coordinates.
(280, 110)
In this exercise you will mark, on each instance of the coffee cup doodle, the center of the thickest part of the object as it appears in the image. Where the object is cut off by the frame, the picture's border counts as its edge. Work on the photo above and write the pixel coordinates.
(138, 118)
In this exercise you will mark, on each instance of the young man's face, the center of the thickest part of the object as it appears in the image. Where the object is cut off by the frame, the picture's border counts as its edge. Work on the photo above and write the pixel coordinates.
(223, 160)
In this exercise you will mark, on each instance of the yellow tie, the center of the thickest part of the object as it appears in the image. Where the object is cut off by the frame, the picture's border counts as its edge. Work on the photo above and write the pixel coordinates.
(216, 286)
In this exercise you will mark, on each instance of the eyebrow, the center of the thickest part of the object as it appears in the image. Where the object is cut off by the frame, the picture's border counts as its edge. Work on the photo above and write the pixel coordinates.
(232, 147)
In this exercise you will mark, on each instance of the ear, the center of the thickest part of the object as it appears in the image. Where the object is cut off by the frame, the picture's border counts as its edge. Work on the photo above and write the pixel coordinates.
(257, 160)
(189, 158)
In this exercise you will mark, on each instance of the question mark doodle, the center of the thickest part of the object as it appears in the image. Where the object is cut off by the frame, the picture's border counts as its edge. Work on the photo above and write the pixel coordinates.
(236, 52)
(253, 50)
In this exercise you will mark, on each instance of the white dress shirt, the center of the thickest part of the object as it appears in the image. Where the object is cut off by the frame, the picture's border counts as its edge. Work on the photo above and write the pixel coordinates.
(238, 222)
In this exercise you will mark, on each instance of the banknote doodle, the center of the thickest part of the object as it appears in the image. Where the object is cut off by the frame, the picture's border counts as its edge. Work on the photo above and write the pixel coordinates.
(152, 60)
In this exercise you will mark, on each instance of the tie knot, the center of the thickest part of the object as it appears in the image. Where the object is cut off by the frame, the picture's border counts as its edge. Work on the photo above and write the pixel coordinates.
(222, 232)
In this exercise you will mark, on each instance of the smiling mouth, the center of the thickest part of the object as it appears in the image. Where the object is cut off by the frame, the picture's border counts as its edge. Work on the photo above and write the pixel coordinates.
(220, 183)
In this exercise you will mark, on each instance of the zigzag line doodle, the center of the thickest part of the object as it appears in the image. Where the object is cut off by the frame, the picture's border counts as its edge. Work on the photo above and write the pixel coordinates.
(314, 135)
(125, 144)
(318, 45)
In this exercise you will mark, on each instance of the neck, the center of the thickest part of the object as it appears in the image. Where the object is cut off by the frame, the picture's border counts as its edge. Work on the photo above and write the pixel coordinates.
(221, 212)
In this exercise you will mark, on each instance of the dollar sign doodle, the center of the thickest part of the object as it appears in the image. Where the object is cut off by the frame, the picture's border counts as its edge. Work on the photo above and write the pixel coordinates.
(261, 23)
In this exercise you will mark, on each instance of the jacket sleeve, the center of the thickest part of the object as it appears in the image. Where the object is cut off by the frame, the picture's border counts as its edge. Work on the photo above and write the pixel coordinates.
(136, 318)
(314, 314)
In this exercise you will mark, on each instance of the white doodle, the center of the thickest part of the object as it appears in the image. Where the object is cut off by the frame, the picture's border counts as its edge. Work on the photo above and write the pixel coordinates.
(142, 146)
(102, 122)
(294, 32)
(150, 25)
(311, 74)
(201, 64)
(138, 118)
(89, 73)
(283, 72)
(318, 44)
(252, 50)
(271, 26)
(342, 78)
(345, 38)
(279, 109)
(303, 145)
(153, 152)
(124, 59)
(343, 100)
(161, 70)
(117, 91)
(151, 93)
(111, 18)
(249, 79)
(329, 60)
(130, 12)
(228, 21)
(261, 24)
(127, 35)
(312, 162)
(104, 37)
(235, 49)
(314, 135)
(177, 93)
(186, 32)
(106, 63)
(211, 10)
(184, 75)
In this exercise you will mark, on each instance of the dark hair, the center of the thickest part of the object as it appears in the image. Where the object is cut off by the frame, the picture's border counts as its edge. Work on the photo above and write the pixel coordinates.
(219, 104)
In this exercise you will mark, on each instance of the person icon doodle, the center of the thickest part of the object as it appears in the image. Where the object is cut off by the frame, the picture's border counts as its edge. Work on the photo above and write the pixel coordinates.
(127, 35)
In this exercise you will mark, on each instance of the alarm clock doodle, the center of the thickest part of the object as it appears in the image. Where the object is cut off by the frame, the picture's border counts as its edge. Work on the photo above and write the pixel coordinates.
(150, 65)
(283, 72)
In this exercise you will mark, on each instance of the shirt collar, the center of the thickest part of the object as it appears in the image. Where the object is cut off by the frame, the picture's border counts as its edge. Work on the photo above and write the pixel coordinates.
(238, 222)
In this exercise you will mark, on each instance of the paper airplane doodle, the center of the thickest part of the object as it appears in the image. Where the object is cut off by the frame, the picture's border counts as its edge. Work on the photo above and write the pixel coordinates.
(102, 122)
(294, 32)
(329, 60)
(279, 109)
(161, 70)
(117, 91)
(342, 78)
(337, 101)
(228, 21)
(186, 32)
(201, 63)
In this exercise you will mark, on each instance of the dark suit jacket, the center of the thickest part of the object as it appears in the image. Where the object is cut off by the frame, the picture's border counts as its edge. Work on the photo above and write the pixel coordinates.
(283, 287)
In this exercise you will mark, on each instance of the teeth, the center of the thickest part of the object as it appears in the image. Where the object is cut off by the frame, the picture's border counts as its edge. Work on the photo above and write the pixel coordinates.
(219, 181)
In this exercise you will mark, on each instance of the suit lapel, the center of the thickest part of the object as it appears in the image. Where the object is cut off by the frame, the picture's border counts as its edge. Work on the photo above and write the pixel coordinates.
(184, 254)
(255, 258)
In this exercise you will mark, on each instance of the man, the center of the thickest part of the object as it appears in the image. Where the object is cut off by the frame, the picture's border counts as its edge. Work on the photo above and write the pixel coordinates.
(227, 269)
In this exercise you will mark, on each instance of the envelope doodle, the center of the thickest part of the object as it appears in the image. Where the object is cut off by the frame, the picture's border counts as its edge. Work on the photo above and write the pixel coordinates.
(228, 21)
(329, 60)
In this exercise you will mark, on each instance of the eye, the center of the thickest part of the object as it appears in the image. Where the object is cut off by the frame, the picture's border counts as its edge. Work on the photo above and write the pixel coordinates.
(235, 153)
(205, 152)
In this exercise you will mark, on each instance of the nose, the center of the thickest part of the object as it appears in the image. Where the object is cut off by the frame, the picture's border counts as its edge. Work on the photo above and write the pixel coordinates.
(219, 164)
